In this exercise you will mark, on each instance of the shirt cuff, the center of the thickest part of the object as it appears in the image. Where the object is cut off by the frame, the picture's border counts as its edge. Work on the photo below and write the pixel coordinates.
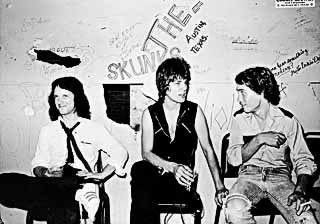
(306, 169)
(235, 155)
(120, 171)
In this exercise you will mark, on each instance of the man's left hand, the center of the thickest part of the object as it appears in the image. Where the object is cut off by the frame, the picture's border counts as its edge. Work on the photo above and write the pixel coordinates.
(89, 175)
(299, 199)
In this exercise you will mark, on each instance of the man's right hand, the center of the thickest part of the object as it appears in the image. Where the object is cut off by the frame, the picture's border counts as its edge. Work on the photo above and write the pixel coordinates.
(183, 175)
(54, 172)
(272, 138)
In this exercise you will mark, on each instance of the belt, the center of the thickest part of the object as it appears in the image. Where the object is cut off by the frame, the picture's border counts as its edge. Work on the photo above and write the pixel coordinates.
(265, 170)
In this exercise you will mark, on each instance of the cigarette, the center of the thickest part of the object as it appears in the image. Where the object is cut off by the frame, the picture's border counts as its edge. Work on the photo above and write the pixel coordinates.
(306, 203)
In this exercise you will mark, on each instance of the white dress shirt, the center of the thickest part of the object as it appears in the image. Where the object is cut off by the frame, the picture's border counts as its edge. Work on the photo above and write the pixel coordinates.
(90, 137)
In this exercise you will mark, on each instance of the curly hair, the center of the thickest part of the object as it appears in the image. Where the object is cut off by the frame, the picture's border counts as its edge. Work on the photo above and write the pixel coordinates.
(262, 81)
(81, 102)
(170, 70)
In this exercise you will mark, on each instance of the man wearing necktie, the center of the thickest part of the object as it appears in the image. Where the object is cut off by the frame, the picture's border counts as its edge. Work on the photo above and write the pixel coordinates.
(66, 154)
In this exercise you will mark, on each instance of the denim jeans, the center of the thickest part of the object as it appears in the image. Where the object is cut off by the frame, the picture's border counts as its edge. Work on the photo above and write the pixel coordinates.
(275, 184)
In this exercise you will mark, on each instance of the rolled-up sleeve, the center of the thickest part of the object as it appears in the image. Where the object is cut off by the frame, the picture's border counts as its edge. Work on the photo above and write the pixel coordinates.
(235, 144)
(302, 158)
(117, 155)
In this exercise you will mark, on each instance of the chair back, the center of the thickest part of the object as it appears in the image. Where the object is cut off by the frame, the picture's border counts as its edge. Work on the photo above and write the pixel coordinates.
(227, 170)
(313, 143)
(103, 213)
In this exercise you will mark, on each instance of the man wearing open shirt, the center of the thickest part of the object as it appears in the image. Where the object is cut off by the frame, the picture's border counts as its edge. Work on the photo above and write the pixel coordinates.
(267, 143)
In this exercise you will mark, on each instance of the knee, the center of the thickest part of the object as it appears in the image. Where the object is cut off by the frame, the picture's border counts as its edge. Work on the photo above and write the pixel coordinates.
(306, 218)
(237, 209)
(142, 169)
(136, 168)
(237, 202)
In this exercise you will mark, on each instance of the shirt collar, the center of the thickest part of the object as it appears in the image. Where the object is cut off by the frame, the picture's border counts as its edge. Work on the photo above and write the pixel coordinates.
(275, 111)
(80, 119)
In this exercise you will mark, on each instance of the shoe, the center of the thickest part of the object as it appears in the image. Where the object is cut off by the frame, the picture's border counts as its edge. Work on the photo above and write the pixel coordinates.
(88, 196)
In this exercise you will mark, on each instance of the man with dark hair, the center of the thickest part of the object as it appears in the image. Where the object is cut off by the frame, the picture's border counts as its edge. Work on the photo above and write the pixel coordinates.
(267, 143)
(66, 154)
(171, 129)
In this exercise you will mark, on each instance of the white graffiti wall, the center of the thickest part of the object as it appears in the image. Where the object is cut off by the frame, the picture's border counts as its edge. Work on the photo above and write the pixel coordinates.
(109, 42)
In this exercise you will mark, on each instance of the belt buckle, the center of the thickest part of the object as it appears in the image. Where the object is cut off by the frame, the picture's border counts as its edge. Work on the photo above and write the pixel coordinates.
(263, 174)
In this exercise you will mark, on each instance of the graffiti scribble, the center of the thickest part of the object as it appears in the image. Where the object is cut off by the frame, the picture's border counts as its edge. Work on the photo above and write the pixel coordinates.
(53, 58)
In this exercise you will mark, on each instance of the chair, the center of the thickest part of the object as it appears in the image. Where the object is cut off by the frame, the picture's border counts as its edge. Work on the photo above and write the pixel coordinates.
(313, 142)
(229, 171)
(193, 207)
(102, 215)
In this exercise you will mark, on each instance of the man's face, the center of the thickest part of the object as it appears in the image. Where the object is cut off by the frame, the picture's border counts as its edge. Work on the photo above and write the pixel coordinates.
(64, 101)
(249, 100)
(178, 90)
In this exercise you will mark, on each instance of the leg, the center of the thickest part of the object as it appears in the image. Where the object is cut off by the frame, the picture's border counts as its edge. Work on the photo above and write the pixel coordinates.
(144, 186)
(18, 191)
(30, 193)
(148, 188)
(279, 188)
(242, 195)
(63, 208)
(66, 214)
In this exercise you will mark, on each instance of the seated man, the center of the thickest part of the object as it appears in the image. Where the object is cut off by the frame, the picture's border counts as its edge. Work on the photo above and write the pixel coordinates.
(267, 141)
(66, 154)
(171, 129)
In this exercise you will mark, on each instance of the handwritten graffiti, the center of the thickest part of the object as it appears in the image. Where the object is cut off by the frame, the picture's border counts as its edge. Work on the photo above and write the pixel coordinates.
(142, 65)
(30, 23)
(192, 37)
(196, 48)
(53, 58)
(34, 98)
(62, 49)
(147, 63)
(244, 44)
(177, 22)
(301, 19)
(306, 64)
(287, 65)
(197, 6)
(221, 118)
(196, 31)
(249, 40)
(171, 25)
(121, 41)
(283, 87)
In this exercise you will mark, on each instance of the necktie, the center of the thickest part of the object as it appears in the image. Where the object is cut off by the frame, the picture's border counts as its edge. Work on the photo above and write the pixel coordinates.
(71, 140)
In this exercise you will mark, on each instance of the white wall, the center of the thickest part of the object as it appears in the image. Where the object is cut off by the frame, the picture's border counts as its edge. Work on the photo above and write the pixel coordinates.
(109, 34)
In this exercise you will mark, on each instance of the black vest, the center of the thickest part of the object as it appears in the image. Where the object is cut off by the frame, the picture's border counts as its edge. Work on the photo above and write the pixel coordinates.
(182, 149)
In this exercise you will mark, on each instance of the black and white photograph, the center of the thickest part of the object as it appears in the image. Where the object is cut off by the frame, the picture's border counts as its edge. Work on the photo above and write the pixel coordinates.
(160, 112)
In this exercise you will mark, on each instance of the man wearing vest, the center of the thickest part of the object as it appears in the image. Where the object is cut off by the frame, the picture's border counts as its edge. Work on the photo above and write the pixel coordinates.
(171, 129)
(267, 143)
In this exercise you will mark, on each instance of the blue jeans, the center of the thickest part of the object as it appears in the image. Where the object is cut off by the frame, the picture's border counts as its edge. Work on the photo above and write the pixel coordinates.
(256, 183)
